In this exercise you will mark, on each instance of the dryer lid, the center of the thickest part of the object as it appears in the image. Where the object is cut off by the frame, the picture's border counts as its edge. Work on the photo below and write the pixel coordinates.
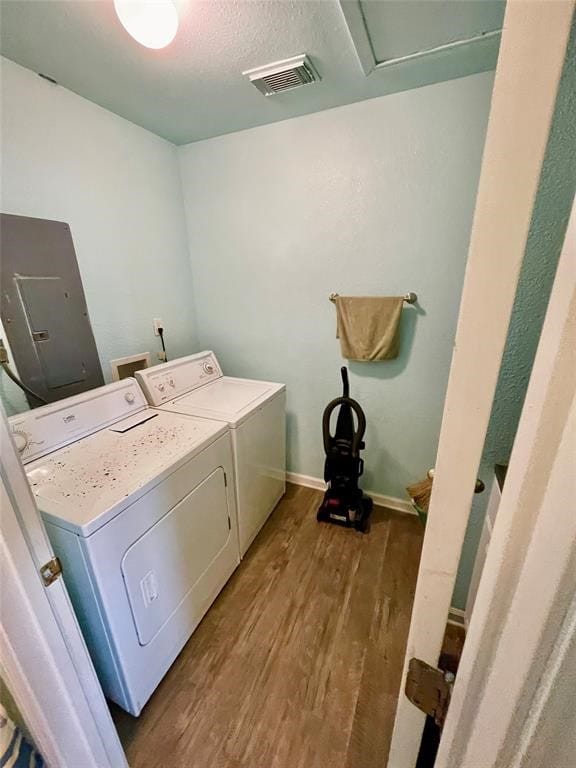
(83, 486)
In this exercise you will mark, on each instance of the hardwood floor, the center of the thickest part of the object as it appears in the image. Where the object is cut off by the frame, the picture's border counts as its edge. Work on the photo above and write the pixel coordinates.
(298, 662)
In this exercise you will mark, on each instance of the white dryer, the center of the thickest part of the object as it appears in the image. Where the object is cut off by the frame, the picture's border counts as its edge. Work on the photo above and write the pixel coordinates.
(254, 410)
(139, 507)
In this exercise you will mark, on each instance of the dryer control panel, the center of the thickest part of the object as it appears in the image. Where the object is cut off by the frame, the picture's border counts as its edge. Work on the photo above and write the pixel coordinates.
(165, 382)
(43, 430)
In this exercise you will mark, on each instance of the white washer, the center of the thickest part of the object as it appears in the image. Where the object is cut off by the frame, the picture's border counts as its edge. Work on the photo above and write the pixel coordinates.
(139, 507)
(256, 414)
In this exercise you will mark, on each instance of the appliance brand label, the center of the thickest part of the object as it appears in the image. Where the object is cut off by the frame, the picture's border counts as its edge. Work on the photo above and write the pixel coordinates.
(70, 418)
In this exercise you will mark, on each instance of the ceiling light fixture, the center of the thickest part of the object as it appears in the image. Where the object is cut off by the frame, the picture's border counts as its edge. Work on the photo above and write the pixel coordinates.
(152, 23)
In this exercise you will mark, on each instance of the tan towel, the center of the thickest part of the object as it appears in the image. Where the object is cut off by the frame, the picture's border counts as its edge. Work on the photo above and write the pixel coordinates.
(368, 326)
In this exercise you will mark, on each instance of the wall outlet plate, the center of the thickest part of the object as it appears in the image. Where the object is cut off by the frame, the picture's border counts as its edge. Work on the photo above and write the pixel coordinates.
(158, 323)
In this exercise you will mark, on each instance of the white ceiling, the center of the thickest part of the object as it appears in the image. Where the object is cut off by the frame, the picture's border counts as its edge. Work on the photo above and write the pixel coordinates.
(194, 88)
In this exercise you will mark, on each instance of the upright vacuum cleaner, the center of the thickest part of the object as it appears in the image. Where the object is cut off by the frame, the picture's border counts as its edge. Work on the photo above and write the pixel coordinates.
(344, 502)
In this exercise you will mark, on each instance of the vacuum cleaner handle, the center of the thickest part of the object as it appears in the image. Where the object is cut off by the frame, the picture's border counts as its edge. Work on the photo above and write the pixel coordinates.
(358, 434)
(345, 384)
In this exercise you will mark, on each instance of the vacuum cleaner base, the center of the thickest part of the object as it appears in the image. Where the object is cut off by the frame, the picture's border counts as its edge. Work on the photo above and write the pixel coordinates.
(350, 511)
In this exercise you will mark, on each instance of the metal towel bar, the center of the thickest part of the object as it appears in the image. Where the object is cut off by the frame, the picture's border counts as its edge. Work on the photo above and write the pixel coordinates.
(409, 298)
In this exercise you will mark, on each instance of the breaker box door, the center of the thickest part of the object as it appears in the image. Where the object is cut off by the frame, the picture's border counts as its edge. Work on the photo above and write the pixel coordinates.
(43, 308)
(54, 333)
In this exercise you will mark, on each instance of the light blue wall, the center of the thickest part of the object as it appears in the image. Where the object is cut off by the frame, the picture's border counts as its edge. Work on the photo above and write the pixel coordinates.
(118, 187)
(551, 211)
(375, 197)
(371, 198)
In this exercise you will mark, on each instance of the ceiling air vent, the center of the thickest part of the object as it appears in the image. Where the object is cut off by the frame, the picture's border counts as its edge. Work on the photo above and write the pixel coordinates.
(283, 75)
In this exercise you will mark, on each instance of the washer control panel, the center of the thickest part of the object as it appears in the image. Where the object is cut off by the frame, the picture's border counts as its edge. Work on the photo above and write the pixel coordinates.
(163, 383)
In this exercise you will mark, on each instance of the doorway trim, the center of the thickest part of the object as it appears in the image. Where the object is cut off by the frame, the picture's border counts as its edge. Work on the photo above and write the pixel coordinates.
(530, 63)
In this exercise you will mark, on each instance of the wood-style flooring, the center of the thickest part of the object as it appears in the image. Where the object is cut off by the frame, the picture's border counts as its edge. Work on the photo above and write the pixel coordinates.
(298, 662)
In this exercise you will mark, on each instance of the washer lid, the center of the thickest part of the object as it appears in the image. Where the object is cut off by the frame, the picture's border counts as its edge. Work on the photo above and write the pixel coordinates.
(83, 486)
(226, 399)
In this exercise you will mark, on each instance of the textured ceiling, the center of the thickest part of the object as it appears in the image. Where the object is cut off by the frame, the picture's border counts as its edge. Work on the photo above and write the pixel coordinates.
(194, 89)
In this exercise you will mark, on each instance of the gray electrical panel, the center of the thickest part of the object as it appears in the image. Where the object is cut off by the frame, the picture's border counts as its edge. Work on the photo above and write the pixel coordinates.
(43, 308)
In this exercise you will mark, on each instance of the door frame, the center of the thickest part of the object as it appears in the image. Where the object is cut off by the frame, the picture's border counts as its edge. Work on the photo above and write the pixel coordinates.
(43, 657)
(530, 63)
(525, 608)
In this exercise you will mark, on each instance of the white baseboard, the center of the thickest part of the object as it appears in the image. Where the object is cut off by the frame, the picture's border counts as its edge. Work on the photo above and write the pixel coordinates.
(306, 480)
(390, 502)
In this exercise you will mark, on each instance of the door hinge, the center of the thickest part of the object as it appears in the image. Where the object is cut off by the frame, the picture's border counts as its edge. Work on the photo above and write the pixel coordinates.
(229, 524)
(50, 571)
(429, 689)
(225, 480)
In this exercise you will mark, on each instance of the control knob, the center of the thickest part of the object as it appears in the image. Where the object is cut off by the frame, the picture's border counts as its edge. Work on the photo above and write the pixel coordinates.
(129, 397)
(208, 368)
(20, 439)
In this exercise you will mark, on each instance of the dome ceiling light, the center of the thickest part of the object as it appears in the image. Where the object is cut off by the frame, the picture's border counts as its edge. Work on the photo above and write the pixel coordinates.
(152, 23)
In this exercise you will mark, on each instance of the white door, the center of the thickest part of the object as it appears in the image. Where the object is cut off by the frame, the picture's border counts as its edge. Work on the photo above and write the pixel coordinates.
(43, 657)
(531, 56)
